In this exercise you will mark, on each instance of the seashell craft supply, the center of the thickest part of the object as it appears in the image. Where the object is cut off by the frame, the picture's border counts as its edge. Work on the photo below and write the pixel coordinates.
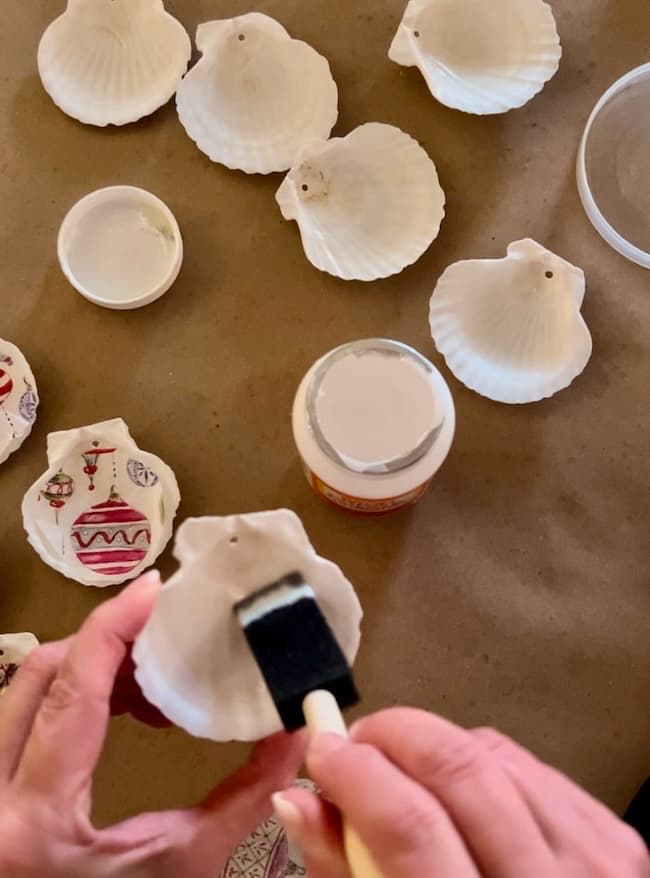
(14, 649)
(256, 95)
(104, 510)
(192, 659)
(511, 328)
(18, 399)
(367, 205)
(111, 62)
(267, 852)
(480, 57)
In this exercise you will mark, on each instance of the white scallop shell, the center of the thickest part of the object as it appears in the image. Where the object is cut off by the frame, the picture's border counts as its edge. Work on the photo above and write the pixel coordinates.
(111, 62)
(480, 56)
(256, 95)
(367, 205)
(192, 659)
(87, 518)
(14, 649)
(18, 399)
(511, 328)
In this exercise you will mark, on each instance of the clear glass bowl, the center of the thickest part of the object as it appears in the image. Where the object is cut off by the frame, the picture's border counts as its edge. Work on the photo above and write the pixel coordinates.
(614, 166)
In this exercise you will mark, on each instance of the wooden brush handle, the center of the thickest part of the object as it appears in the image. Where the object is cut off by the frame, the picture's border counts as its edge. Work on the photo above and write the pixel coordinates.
(324, 716)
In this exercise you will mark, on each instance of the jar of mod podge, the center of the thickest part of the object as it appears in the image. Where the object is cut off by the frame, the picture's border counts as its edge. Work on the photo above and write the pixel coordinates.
(373, 421)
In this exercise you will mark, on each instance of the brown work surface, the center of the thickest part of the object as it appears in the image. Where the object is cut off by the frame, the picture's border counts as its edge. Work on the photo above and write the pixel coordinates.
(516, 594)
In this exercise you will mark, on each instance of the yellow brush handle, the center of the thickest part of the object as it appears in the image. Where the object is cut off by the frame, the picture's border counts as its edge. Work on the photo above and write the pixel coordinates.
(324, 716)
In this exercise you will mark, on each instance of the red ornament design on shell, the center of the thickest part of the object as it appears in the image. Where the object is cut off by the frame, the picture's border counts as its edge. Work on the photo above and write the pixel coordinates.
(6, 385)
(111, 538)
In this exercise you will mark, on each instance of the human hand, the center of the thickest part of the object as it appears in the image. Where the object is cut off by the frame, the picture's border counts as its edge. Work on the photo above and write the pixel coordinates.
(53, 721)
(429, 799)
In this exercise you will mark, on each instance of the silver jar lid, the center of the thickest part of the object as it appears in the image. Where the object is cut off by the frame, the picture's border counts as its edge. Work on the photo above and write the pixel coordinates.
(372, 406)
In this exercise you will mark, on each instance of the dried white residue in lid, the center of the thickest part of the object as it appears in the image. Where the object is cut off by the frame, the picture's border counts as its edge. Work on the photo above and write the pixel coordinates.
(373, 407)
(121, 247)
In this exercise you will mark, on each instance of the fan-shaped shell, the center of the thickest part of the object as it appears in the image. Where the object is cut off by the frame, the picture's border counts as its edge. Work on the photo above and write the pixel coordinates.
(18, 399)
(87, 518)
(511, 328)
(367, 205)
(480, 56)
(110, 62)
(256, 95)
(192, 659)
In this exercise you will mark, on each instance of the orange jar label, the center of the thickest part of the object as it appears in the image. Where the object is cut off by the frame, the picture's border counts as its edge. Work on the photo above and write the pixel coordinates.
(363, 505)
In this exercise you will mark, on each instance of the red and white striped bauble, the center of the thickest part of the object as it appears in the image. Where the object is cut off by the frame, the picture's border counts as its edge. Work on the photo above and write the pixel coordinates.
(111, 538)
(6, 386)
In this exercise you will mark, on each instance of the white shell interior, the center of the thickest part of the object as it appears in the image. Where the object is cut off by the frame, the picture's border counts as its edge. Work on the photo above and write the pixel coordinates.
(109, 62)
(367, 205)
(192, 659)
(511, 328)
(256, 95)
(120, 247)
(18, 399)
(104, 510)
(478, 56)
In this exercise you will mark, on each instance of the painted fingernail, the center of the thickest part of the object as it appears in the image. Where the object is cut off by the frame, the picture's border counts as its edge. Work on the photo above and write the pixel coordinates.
(287, 813)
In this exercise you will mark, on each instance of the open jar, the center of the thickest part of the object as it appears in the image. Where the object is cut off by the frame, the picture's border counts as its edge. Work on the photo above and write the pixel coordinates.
(373, 421)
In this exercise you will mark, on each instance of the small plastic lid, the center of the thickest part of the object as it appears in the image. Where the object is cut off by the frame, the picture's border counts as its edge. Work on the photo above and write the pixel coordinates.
(373, 406)
(614, 166)
(120, 247)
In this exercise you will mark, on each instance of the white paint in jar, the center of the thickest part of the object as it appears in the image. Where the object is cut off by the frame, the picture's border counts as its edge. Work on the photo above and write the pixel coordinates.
(373, 421)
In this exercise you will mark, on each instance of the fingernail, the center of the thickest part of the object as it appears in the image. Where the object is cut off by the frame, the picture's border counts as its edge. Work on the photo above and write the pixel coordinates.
(287, 813)
(148, 580)
(323, 745)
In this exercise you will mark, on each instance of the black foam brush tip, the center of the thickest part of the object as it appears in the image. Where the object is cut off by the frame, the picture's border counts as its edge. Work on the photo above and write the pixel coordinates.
(294, 647)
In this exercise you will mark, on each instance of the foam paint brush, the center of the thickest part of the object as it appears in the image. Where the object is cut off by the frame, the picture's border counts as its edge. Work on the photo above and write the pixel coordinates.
(306, 673)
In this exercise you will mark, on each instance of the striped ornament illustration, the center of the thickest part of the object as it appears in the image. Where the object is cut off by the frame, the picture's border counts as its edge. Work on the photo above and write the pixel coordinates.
(111, 538)
(6, 385)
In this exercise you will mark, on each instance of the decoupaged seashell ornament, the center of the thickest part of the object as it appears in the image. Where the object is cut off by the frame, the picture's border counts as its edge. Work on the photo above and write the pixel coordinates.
(104, 510)
(14, 649)
(111, 62)
(256, 95)
(18, 399)
(192, 659)
(511, 328)
(367, 205)
(477, 56)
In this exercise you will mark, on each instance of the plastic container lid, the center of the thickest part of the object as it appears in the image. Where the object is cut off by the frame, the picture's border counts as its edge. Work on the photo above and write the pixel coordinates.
(614, 166)
(120, 247)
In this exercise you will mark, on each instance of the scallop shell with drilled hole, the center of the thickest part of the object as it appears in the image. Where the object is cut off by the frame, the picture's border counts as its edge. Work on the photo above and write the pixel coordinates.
(480, 56)
(256, 95)
(367, 205)
(192, 659)
(511, 328)
(18, 399)
(111, 62)
(88, 518)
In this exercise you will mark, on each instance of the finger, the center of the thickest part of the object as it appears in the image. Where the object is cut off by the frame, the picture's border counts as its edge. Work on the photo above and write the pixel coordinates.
(568, 816)
(181, 842)
(22, 700)
(315, 827)
(406, 830)
(470, 782)
(69, 730)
